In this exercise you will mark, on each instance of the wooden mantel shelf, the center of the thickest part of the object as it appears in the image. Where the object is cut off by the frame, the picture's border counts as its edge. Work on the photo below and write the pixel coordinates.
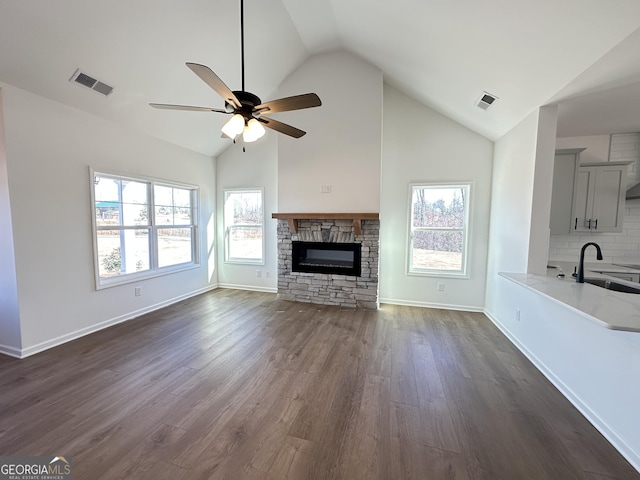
(356, 218)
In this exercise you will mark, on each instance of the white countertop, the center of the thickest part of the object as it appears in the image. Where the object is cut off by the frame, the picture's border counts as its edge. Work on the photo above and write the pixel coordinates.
(615, 310)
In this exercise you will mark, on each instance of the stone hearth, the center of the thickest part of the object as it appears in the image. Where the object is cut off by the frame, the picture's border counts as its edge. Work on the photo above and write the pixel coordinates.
(342, 290)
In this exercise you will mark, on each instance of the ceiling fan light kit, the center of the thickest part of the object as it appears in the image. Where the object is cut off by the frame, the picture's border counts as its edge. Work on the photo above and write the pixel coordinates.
(252, 131)
(234, 126)
(247, 108)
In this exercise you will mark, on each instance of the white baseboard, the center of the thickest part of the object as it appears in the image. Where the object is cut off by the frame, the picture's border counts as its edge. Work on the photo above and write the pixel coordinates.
(251, 288)
(54, 342)
(442, 306)
(625, 450)
(10, 351)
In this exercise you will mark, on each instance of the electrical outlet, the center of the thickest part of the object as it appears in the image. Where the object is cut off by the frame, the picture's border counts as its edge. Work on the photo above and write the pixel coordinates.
(440, 287)
(517, 314)
(267, 274)
(258, 273)
(137, 291)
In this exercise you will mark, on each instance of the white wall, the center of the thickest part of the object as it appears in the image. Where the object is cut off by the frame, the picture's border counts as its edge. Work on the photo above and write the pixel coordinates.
(542, 187)
(49, 150)
(597, 147)
(511, 202)
(10, 341)
(342, 147)
(518, 239)
(257, 167)
(421, 145)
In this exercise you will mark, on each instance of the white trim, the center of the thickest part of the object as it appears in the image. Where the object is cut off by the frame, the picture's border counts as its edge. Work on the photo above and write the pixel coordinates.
(10, 351)
(154, 269)
(225, 233)
(54, 342)
(469, 186)
(625, 450)
(442, 306)
(251, 288)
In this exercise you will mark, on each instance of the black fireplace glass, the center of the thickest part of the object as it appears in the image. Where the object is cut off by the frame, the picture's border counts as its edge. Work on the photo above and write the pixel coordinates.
(329, 258)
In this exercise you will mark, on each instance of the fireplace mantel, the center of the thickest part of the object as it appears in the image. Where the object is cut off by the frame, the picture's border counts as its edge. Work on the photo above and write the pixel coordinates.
(356, 218)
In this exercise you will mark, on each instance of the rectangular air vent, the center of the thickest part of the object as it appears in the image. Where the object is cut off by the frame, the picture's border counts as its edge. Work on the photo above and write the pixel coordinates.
(486, 100)
(102, 88)
(90, 82)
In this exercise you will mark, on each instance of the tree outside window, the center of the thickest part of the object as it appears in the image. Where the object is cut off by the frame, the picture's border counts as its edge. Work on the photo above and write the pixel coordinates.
(243, 225)
(438, 234)
(142, 228)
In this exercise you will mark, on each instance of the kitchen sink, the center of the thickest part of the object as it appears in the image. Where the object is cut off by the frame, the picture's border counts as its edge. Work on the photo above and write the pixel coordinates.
(612, 285)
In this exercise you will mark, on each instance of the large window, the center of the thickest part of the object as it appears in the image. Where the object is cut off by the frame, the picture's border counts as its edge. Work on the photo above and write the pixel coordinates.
(439, 217)
(142, 227)
(243, 226)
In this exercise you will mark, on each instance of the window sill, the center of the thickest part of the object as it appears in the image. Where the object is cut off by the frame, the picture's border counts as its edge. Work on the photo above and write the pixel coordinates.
(142, 276)
(441, 274)
(245, 262)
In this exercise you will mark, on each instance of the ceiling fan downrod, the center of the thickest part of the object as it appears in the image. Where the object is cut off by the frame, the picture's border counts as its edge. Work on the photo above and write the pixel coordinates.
(242, 39)
(246, 109)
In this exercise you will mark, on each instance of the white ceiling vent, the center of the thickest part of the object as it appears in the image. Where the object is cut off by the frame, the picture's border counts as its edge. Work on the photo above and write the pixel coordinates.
(90, 82)
(486, 100)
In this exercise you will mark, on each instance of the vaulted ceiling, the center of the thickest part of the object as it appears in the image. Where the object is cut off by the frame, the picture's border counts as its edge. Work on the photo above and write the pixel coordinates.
(444, 53)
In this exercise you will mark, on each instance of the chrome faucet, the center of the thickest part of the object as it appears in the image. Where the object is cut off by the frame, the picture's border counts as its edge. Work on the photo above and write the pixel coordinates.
(580, 277)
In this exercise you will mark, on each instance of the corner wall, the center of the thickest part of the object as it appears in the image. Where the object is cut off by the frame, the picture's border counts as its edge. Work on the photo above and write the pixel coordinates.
(542, 186)
(10, 341)
(421, 145)
(49, 149)
(511, 202)
(342, 147)
(257, 167)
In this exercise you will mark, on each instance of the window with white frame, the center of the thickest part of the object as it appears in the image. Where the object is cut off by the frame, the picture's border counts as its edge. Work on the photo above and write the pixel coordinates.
(243, 225)
(142, 227)
(439, 218)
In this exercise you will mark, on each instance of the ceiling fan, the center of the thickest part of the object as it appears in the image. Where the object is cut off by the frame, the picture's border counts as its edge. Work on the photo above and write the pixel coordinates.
(246, 108)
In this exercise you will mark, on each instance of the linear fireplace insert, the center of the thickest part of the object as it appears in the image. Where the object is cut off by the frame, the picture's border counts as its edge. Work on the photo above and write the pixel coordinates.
(331, 258)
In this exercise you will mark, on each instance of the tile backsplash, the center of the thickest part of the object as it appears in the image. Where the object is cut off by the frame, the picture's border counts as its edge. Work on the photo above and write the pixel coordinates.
(626, 146)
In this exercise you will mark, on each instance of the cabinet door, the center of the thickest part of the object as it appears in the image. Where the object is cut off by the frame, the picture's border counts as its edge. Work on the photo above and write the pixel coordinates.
(583, 199)
(564, 171)
(608, 199)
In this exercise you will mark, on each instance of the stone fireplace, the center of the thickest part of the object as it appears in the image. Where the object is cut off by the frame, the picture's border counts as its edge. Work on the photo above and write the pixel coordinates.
(334, 241)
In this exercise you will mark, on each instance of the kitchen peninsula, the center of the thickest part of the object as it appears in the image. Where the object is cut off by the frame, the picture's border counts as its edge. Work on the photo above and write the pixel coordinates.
(614, 310)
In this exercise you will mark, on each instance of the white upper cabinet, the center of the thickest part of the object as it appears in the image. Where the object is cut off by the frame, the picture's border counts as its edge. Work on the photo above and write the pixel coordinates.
(587, 197)
(599, 197)
(564, 172)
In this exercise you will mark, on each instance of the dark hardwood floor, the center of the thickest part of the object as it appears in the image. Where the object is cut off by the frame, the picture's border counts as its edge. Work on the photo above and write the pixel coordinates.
(237, 385)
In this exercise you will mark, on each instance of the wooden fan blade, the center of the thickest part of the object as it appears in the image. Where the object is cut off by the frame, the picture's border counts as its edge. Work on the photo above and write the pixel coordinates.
(211, 79)
(281, 127)
(297, 102)
(186, 107)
